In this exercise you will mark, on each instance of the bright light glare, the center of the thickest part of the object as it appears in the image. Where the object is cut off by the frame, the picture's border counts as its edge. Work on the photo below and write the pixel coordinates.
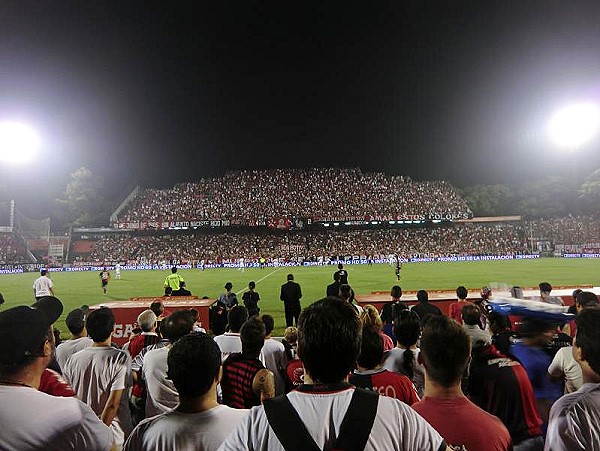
(18, 142)
(575, 125)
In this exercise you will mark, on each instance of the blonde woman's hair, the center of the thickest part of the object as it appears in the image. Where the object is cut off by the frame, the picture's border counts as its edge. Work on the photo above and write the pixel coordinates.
(370, 317)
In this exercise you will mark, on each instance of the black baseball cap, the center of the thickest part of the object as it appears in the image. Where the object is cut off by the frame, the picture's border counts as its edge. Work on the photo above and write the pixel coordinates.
(23, 329)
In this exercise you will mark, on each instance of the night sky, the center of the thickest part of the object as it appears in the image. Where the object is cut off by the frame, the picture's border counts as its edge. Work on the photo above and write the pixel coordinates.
(158, 92)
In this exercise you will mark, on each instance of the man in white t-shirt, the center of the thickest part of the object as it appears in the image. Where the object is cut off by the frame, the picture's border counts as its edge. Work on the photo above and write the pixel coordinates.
(198, 422)
(565, 368)
(43, 285)
(329, 334)
(273, 355)
(574, 422)
(31, 419)
(79, 340)
(161, 393)
(230, 342)
(101, 376)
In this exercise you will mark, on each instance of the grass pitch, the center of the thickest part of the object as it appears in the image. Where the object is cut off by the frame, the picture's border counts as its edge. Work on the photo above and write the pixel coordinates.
(77, 288)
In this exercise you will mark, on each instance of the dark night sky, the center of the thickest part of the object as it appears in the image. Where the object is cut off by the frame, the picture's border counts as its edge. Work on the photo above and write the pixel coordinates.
(160, 92)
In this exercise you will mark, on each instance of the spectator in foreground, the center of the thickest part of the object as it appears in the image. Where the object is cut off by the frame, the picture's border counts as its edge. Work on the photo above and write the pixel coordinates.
(79, 340)
(273, 355)
(198, 422)
(574, 418)
(531, 352)
(371, 375)
(501, 330)
(32, 419)
(425, 309)
(470, 316)
(445, 353)
(370, 318)
(230, 342)
(246, 382)
(101, 376)
(404, 357)
(329, 342)
(455, 309)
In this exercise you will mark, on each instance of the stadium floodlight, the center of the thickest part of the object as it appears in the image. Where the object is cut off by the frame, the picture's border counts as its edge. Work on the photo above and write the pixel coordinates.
(18, 142)
(575, 125)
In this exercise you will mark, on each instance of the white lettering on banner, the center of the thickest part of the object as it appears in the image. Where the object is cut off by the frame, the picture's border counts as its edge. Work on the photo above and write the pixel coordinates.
(119, 333)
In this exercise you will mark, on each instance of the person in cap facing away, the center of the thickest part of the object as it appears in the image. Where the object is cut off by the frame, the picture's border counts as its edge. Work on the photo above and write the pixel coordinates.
(79, 340)
(198, 422)
(31, 419)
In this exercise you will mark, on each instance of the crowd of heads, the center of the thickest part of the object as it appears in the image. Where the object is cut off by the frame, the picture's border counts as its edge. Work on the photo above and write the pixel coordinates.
(248, 196)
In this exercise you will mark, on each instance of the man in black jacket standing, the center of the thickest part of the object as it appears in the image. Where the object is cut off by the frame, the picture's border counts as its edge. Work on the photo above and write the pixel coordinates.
(291, 293)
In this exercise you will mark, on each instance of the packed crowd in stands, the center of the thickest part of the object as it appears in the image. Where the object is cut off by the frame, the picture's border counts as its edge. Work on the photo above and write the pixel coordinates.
(296, 193)
(450, 240)
(11, 251)
(411, 378)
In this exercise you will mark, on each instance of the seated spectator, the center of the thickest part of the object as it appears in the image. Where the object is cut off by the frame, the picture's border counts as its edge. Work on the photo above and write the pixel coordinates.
(470, 318)
(574, 417)
(329, 343)
(230, 342)
(371, 375)
(32, 419)
(246, 382)
(445, 353)
(101, 376)
(500, 386)
(404, 357)
(75, 322)
(425, 309)
(198, 421)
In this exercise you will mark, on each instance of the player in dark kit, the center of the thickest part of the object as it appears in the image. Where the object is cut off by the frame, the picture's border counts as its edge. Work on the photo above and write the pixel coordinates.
(398, 267)
(104, 278)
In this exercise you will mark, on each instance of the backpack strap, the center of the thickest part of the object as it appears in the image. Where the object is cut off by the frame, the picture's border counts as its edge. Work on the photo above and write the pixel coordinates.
(354, 430)
(287, 425)
(358, 422)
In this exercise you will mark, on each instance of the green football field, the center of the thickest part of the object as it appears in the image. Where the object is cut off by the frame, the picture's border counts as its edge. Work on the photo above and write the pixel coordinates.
(77, 288)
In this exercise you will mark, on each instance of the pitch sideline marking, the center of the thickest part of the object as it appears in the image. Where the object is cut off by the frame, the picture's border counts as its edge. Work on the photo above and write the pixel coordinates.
(260, 280)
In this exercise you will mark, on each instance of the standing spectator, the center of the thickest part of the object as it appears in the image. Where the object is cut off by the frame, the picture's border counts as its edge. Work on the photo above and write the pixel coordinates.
(250, 299)
(230, 341)
(246, 382)
(333, 289)
(159, 309)
(470, 316)
(424, 308)
(43, 285)
(499, 385)
(147, 322)
(101, 376)
(574, 418)
(404, 357)
(371, 375)
(536, 335)
(370, 318)
(273, 355)
(545, 296)
(445, 353)
(291, 293)
(501, 330)
(79, 340)
(198, 422)
(455, 309)
(329, 342)
(161, 393)
(31, 419)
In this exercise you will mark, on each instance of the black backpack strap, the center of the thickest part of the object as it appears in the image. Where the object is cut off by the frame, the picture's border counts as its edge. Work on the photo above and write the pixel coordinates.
(287, 425)
(358, 422)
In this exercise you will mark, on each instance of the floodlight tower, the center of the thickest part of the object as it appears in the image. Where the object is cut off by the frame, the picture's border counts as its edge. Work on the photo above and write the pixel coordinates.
(19, 143)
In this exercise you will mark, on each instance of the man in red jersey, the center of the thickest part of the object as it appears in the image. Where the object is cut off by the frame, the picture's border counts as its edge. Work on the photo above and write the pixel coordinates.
(445, 351)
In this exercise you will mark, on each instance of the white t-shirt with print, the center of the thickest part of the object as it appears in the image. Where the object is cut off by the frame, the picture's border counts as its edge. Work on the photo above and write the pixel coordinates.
(162, 395)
